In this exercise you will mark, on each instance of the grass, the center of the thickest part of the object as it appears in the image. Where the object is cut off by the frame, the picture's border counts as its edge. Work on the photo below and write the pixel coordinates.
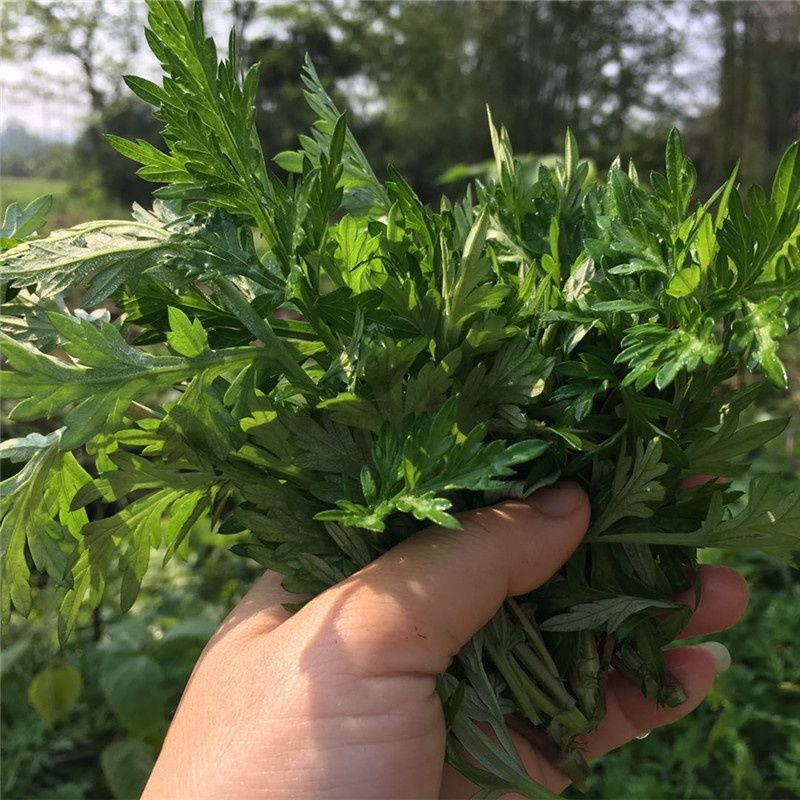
(23, 190)
(73, 201)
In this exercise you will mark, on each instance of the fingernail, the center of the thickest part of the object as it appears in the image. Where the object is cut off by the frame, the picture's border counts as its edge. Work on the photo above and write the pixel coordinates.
(720, 654)
(558, 501)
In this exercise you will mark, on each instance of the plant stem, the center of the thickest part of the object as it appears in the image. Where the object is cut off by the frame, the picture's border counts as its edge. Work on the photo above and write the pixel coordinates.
(584, 675)
(515, 685)
(571, 763)
(261, 329)
(538, 669)
(669, 691)
(530, 698)
(533, 635)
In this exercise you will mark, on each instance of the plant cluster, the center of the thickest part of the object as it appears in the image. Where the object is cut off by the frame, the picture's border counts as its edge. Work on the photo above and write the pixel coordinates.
(744, 741)
(329, 365)
(104, 701)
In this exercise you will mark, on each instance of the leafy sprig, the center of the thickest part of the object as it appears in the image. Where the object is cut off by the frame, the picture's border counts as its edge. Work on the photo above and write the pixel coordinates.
(370, 365)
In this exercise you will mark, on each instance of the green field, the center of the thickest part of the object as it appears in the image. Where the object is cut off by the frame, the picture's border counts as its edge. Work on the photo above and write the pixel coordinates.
(72, 202)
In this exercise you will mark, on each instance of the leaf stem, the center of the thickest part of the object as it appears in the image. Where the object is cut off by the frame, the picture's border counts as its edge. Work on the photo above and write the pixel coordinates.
(693, 539)
(669, 691)
(261, 329)
(530, 697)
(540, 671)
(511, 676)
(533, 635)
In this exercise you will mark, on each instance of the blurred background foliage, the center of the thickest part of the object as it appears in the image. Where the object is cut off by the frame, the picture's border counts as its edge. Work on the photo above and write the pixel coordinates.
(415, 77)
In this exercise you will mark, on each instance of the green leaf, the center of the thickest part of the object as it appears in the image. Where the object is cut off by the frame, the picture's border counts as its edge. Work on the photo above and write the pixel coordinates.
(363, 191)
(428, 507)
(200, 417)
(714, 455)
(186, 337)
(769, 522)
(681, 176)
(570, 156)
(111, 250)
(730, 186)
(349, 409)
(127, 765)
(213, 157)
(635, 488)
(125, 538)
(20, 223)
(111, 373)
(684, 282)
(607, 614)
(785, 194)
(658, 354)
(134, 688)
(21, 500)
(289, 160)
(146, 90)
(758, 332)
(26, 447)
(462, 292)
(54, 691)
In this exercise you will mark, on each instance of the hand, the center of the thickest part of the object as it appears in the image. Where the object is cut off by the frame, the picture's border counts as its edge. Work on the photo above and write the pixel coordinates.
(339, 700)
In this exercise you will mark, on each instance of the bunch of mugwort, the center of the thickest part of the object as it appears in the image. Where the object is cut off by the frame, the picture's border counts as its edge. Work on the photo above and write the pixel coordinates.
(323, 365)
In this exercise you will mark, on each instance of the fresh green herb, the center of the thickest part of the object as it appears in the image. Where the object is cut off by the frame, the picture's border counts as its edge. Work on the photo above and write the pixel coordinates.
(330, 365)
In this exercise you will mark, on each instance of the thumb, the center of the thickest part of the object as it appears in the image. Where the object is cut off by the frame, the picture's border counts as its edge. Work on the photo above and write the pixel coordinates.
(412, 610)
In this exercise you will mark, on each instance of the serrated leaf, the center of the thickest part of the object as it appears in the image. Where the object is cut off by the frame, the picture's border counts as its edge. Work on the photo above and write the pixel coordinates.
(21, 503)
(186, 337)
(200, 417)
(607, 614)
(113, 375)
(25, 447)
(759, 331)
(20, 223)
(713, 455)
(360, 180)
(635, 488)
(684, 282)
(428, 507)
(770, 522)
(68, 257)
(785, 194)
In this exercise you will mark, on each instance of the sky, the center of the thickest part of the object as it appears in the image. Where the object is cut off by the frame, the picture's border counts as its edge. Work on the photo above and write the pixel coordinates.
(59, 115)
(42, 92)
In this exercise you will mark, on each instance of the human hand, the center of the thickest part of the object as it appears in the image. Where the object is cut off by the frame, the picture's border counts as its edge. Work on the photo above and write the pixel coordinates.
(339, 700)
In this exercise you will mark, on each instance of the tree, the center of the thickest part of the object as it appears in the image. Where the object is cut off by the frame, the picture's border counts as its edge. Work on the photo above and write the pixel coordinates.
(23, 154)
(426, 71)
(101, 38)
(758, 113)
(317, 28)
(541, 67)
